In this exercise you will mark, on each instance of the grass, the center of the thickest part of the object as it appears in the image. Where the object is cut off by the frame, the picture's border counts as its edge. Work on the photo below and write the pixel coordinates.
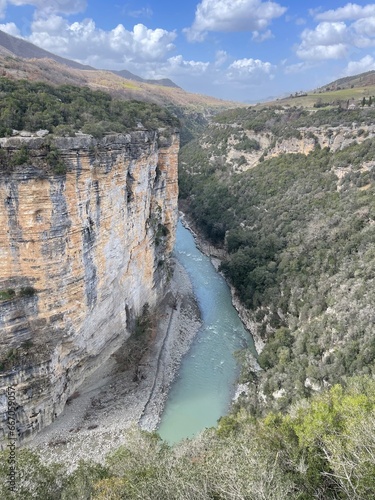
(308, 101)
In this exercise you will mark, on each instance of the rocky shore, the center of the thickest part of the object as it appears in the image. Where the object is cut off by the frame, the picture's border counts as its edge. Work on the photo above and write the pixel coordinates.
(113, 399)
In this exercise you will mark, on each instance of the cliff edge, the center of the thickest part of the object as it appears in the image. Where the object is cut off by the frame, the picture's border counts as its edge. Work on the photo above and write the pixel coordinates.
(84, 247)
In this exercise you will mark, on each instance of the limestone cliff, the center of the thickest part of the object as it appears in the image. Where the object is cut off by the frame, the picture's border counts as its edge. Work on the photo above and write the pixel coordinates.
(81, 252)
(335, 138)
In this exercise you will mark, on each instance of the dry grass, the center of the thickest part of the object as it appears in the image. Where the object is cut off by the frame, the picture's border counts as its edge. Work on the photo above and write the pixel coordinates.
(350, 94)
(53, 72)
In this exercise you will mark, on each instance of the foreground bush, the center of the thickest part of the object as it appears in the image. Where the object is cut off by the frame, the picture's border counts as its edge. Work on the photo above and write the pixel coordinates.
(323, 448)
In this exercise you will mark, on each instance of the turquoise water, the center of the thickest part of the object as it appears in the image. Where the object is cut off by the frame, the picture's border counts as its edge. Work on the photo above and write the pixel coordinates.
(205, 385)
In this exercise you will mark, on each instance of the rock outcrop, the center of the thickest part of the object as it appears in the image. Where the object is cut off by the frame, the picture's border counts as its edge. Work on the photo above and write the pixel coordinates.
(334, 138)
(84, 246)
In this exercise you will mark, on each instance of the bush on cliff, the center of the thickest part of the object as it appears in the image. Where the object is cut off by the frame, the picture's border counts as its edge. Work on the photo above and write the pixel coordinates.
(31, 106)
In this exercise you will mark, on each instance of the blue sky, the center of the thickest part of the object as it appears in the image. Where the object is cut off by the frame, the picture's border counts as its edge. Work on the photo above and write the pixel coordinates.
(244, 50)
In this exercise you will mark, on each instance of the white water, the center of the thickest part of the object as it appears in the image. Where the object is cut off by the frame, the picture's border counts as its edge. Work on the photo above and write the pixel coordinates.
(205, 385)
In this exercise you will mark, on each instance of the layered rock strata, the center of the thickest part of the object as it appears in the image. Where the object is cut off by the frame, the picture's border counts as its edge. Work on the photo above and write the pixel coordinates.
(84, 247)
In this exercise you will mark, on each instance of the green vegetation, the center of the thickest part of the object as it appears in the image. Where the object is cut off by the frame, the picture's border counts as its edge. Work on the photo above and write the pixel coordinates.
(54, 160)
(10, 294)
(300, 252)
(19, 356)
(7, 294)
(27, 291)
(299, 232)
(322, 448)
(246, 144)
(284, 122)
(46, 158)
(31, 106)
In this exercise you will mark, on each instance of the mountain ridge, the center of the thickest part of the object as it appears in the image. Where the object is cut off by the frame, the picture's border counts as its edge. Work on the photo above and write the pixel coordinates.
(27, 50)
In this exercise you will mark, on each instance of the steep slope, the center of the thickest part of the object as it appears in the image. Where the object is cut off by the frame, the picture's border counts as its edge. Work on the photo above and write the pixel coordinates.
(87, 227)
(291, 199)
(366, 79)
(27, 50)
(165, 82)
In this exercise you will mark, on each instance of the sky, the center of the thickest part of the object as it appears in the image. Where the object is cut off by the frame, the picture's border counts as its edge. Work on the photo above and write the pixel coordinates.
(242, 50)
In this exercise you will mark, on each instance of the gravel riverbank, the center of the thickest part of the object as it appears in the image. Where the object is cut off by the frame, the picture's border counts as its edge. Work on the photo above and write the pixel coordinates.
(111, 399)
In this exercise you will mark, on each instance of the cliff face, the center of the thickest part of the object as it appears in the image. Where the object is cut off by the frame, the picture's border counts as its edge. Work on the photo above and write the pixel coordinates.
(334, 138)
(81, 253)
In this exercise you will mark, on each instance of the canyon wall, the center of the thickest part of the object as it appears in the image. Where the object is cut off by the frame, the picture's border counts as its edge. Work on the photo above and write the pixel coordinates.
(334, 138)
(83, 247)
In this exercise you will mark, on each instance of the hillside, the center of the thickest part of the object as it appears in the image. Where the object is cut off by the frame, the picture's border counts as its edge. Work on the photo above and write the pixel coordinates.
(64, 110)
(13, 46)
(356, 81)
(290, 196)
(193, 110)
(345, 92)
(20, 48)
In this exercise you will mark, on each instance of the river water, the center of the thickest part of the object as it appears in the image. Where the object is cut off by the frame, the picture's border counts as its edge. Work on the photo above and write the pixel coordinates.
(205, 384)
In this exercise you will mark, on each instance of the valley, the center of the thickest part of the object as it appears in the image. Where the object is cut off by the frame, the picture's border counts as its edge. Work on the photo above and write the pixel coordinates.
(96, 315)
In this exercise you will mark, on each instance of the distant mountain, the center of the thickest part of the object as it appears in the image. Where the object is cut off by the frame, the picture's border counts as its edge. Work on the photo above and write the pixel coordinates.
(165, 82)
(11, 45)
(27, 50)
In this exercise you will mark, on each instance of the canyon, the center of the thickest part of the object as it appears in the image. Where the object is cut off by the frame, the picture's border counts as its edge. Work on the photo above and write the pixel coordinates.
(84, 250)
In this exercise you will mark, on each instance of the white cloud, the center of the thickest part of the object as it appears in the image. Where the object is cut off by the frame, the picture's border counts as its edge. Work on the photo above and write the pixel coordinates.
(320, 52)
(10, 28)
(367, 63)
(232, 16)
(178, 66)
(252, 71)
(220, 58)
(326, 34)
(84, 42)
(144, 12)
(326, 41)
(261, 37)
(335, 39)
(349, 11)
(365, 26)
(53, 6)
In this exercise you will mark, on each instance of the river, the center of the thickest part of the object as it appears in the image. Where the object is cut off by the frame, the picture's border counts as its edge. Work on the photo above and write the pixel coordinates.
(206, 381)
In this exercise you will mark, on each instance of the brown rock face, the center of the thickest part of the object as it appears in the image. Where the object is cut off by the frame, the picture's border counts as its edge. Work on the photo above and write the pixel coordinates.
(81, 253)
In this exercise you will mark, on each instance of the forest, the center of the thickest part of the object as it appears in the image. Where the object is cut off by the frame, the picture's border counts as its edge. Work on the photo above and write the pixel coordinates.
(65, 109)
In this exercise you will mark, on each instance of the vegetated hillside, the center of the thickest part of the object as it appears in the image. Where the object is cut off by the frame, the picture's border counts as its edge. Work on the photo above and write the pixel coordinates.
(323, 448)
(362, 80)
(65, 109)
(299, 230)
(17, 47)
(346, 92)
(193, 110)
